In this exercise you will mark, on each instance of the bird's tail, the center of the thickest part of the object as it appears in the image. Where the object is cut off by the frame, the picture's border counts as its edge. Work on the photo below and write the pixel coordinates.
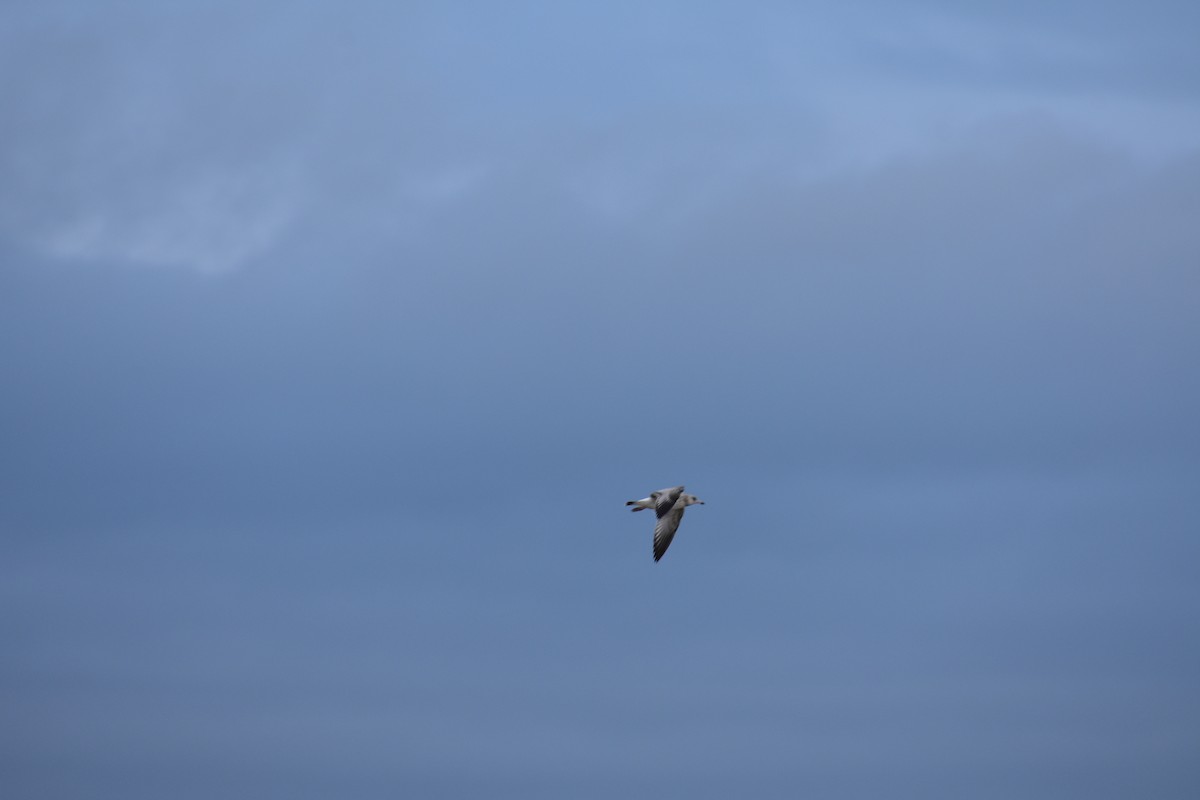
(634, 503)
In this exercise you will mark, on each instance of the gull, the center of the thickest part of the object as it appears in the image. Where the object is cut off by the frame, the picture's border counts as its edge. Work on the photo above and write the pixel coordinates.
(668, 504)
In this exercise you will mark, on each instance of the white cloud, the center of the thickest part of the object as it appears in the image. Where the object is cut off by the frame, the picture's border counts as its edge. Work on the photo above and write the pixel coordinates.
(210, 224)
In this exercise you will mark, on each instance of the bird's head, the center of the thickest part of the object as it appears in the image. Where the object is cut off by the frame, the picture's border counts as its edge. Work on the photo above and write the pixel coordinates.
(692, 500)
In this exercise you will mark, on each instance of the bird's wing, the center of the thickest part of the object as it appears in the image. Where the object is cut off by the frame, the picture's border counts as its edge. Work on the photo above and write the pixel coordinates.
(664, 500)
(664, 531)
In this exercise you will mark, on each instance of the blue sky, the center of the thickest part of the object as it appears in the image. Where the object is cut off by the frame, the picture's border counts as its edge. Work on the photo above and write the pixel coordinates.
(334, 338)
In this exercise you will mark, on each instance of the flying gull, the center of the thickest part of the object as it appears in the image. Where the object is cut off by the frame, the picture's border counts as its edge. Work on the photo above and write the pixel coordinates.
(668, 504)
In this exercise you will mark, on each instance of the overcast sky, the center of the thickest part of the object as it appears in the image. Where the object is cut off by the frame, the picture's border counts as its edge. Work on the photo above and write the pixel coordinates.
(334, 337)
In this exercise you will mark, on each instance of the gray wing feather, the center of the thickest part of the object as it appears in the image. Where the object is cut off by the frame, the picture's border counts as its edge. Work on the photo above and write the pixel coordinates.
(664, 500)
(664, 531)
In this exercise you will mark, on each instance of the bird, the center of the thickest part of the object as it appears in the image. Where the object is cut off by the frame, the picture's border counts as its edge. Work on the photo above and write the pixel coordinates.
(668, 505)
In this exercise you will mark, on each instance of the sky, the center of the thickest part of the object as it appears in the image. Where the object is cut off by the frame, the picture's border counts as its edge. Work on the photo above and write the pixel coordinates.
(334, 338)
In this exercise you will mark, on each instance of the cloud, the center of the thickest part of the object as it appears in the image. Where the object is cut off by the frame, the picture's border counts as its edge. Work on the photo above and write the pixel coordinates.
(148, 154)
(161, 152)
(212, 223)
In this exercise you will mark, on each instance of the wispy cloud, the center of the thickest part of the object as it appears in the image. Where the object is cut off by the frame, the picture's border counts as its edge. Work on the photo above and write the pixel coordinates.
(212, 223)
